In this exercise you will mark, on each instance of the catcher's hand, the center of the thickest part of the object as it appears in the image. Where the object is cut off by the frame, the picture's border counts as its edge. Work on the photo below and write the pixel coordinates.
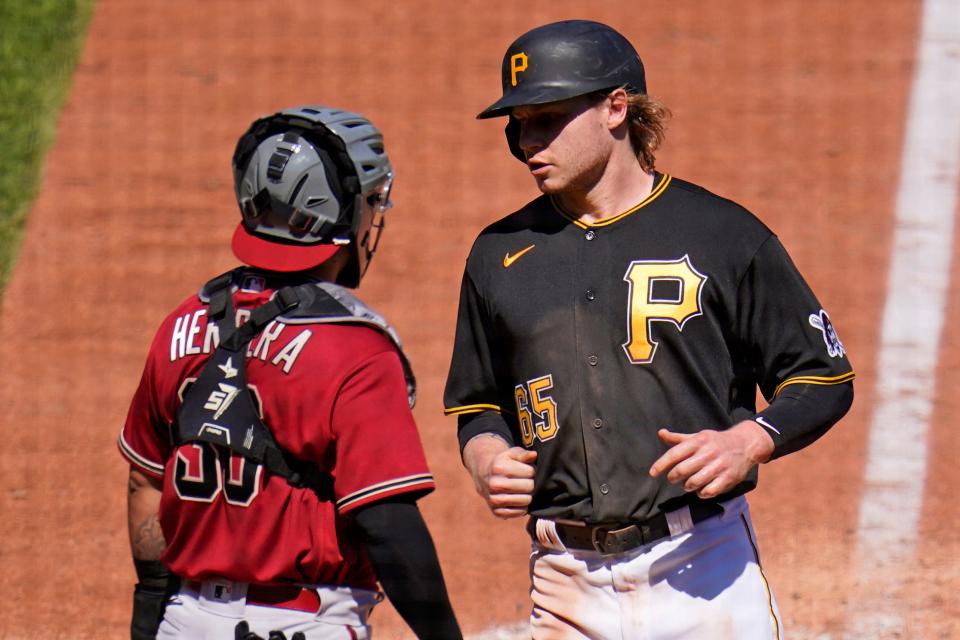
(242, 632)
(155, 585)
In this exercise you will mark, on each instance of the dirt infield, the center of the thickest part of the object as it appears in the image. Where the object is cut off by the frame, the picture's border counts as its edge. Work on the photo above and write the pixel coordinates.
(795, 109)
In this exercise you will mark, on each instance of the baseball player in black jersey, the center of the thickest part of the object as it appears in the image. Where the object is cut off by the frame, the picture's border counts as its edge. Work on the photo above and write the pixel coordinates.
(611, 337)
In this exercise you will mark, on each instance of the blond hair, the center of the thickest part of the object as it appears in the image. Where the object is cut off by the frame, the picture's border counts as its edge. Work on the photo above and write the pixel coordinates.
(646, 121)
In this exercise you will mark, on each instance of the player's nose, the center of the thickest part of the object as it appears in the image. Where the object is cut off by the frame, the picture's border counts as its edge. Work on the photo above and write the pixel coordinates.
(531, 140)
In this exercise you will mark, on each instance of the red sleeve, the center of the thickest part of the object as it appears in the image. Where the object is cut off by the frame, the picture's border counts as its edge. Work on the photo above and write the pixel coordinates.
(378, 448)
(144, 440)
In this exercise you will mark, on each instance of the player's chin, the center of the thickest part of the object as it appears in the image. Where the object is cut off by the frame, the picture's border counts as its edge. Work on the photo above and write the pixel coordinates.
(549, 185)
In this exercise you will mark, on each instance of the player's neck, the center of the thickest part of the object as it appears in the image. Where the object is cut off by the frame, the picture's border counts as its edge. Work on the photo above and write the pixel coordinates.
(622, 186)
(330, 269)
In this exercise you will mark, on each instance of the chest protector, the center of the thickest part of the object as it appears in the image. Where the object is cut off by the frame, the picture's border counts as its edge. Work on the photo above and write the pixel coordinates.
(219, 409)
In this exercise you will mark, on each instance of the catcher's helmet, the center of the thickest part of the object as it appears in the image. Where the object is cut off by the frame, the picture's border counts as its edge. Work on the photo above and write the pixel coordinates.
(563, 60)
(310, 180)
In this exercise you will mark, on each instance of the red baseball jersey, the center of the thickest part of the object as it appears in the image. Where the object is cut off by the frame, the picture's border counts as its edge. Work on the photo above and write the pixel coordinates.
(333, 394)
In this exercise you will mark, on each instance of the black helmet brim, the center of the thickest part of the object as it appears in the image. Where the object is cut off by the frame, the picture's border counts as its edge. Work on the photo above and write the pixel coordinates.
(532, 94)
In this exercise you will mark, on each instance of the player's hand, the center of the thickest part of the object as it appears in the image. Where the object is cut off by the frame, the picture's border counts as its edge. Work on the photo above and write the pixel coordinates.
(242, 632)
(502, 475)
(712, 462)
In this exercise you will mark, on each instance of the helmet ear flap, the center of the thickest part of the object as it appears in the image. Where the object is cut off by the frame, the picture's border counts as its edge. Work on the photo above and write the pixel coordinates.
(246, 145)
(512, 133)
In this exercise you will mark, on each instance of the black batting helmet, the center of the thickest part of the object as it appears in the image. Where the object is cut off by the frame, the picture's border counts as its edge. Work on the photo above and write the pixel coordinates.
(563, 60)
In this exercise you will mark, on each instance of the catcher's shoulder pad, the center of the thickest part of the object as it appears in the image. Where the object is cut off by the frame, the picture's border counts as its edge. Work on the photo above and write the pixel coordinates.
(222, 281)
(325, 302)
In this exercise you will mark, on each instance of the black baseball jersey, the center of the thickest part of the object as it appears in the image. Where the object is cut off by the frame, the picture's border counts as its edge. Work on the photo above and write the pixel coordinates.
(581, 341)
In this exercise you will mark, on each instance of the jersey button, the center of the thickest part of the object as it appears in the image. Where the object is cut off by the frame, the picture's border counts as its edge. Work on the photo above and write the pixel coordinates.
(593, 360)
(597, 423)
(590, 294)
(604, 489)
(590, 235)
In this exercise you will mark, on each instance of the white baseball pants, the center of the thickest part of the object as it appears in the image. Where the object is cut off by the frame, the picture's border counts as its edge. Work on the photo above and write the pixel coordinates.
(704, 583)
(212, 615)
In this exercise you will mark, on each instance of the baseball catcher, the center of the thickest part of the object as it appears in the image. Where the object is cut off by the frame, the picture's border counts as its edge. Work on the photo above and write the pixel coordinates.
(275, 466)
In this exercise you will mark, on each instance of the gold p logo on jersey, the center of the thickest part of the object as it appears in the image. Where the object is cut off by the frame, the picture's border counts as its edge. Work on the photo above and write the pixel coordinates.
(518, 64)
(648, 307)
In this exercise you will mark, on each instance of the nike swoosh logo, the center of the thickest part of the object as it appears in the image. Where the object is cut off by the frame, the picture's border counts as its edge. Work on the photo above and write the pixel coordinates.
(763, 423)
(510, 259)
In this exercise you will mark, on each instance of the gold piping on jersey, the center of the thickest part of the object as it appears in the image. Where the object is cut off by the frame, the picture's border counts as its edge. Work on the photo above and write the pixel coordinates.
(766, 585)
(653, 195)
(470, 408)
(846, 377)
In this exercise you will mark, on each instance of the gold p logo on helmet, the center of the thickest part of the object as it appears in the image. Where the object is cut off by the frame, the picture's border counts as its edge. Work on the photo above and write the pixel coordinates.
(518, 63)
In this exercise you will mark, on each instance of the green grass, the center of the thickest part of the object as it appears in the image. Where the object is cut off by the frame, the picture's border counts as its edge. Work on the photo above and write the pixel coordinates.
(40, 42)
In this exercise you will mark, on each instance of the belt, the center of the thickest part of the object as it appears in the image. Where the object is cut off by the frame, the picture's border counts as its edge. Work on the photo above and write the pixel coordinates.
(282, 597)
(617, 538)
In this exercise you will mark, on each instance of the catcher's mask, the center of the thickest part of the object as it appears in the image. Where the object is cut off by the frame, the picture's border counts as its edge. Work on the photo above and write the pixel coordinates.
(310, 181)
(564, 60)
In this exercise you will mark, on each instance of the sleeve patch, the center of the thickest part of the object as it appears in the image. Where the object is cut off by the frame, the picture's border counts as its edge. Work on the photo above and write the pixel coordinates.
(821, 321)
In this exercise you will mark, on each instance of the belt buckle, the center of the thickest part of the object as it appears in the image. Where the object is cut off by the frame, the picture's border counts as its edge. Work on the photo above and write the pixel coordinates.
(595, 540)
(618, 540)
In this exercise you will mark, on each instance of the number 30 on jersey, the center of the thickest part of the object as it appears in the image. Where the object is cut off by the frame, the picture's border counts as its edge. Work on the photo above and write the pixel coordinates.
(203, 471)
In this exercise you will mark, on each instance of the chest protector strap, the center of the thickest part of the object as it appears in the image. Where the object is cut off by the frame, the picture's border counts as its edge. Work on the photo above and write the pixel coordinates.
(219, 408)
(320, 303)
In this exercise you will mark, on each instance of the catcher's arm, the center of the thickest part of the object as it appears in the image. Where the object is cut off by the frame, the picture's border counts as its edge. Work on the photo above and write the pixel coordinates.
(154, 582)
(405, 561)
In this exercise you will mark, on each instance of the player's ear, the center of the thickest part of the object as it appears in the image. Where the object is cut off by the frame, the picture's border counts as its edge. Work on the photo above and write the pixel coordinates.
(617, 105)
